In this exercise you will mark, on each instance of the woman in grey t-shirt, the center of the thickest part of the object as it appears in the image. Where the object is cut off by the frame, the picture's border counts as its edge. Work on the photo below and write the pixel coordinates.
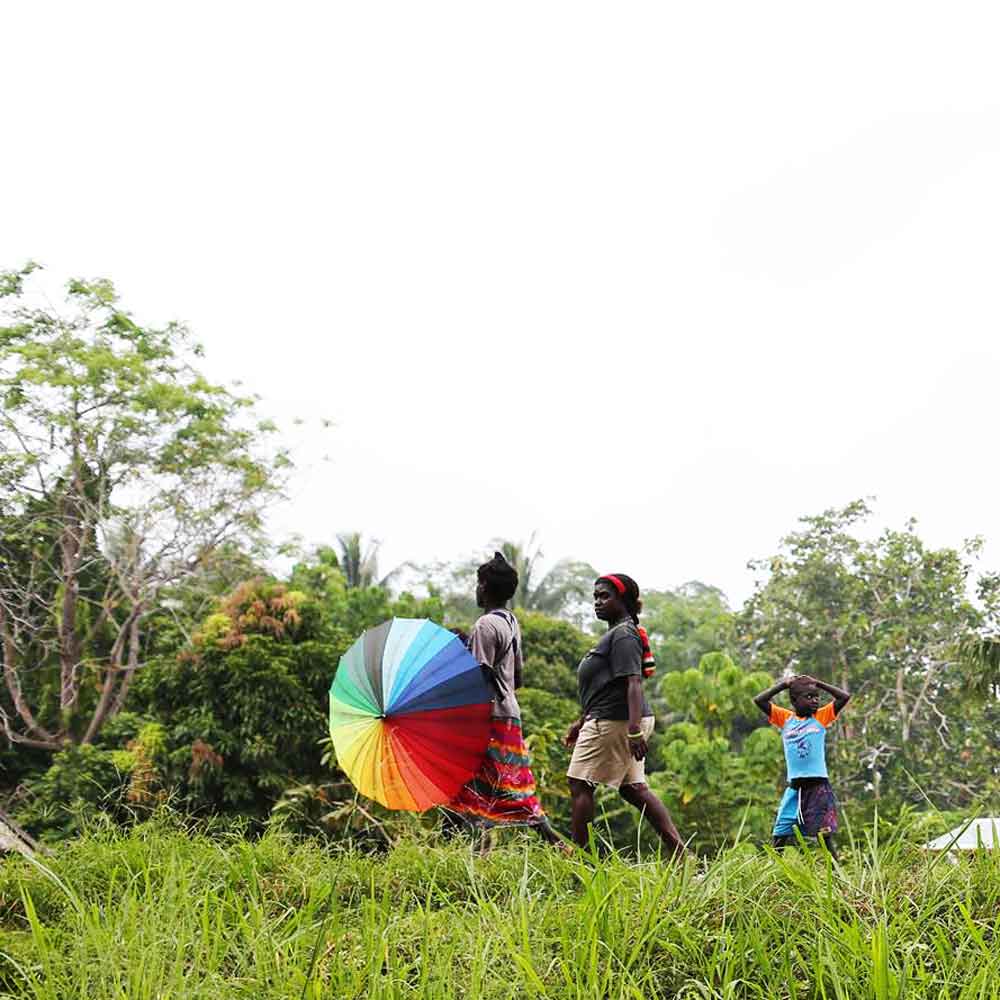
(609, 740)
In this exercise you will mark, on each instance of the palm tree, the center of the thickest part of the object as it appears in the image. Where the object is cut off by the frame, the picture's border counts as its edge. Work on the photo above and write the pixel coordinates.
(980, 655)
(524, 558)
(560, 591)
(359, 563)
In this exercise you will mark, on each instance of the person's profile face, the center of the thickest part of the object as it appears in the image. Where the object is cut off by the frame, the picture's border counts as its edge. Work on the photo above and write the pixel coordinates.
(608, 604)
(480, 593)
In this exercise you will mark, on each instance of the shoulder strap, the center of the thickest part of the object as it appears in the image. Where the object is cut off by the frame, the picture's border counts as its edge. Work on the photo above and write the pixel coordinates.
(511, 621)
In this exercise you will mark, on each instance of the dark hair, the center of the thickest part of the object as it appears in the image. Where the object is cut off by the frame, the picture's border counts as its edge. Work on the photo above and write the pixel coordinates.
(798, 685)
(628, 590)
(498, 577)
(630, 595)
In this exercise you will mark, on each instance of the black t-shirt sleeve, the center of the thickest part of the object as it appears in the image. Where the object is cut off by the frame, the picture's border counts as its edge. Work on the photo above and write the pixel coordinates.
(625, 659)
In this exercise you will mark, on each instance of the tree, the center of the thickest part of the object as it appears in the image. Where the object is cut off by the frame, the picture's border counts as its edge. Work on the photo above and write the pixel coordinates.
(722, 763)
(886, 619)
(553, 649)
(355, 608)
(320, 574)
(562, 592)
(686, 623)
(244, 707)
(359, 563)
(980, 654)
(123, 470)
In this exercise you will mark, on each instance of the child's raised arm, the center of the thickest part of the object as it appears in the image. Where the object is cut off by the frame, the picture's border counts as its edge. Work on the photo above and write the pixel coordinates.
(840, 696)
(763, 700)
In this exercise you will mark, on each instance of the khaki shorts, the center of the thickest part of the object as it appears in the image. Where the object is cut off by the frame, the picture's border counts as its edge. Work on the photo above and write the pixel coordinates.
(602, 754)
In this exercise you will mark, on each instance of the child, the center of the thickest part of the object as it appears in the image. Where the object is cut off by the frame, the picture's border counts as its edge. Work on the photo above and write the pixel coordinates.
(808, 805)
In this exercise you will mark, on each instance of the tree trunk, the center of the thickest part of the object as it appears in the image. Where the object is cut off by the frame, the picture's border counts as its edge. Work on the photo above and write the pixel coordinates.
(133, 665)
(112, 673)
(37, 736)
(904, 717)
(848, 729)
(71, 540)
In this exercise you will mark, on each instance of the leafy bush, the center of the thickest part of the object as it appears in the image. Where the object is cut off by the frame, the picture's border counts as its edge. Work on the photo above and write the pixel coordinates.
(241, 722)
(86, 783)
(244, 709)
(81, 782)
(721, 767)
(553, 649)
(545, 718)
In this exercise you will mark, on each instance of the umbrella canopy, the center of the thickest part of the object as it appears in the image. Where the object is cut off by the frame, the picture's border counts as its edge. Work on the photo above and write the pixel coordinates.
(978, 833)
(409, 714)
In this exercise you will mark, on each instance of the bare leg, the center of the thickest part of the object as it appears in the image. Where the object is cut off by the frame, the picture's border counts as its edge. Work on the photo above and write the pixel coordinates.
(452, 825)
(826, 840)
(545, 831)
(583, 811)
(643, 799)
(829, 841)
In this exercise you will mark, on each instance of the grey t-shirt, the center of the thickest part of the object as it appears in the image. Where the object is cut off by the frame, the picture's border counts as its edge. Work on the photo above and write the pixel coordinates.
(602, 677)
(495, 641)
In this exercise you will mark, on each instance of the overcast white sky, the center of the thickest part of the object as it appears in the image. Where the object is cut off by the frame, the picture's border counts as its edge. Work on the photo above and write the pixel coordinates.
(651, 279)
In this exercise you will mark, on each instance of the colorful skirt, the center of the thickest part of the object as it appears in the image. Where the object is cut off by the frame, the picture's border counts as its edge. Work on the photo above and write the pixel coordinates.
(502, 792)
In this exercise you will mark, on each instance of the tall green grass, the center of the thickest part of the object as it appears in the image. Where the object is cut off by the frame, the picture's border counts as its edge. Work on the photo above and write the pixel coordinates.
(161, 913)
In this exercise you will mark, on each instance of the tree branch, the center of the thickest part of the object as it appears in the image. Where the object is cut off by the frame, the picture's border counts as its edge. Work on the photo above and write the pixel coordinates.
(133, 665)
(14, 688)
(110, 676)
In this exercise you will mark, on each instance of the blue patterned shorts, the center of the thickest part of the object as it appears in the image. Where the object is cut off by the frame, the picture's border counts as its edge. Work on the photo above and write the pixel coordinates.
(811, 809)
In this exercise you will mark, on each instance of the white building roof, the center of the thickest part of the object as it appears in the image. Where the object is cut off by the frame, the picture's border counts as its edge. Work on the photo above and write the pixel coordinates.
(978, 833)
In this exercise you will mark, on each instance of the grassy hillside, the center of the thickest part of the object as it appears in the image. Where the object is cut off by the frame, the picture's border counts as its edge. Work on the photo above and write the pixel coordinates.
(159, 913)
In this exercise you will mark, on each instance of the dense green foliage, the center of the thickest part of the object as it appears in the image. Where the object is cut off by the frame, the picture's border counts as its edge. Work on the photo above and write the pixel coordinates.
(162, 911)
(887, 619)
(149, 656)
(686, 623)
(238, 696)
(122, 471)
(721, 768)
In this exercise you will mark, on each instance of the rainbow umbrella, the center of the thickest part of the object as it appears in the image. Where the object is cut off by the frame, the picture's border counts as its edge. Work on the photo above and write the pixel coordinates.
(409, 714)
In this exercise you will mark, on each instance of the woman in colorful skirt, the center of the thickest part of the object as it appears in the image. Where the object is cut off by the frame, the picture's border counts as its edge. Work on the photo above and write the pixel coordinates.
(502, 792)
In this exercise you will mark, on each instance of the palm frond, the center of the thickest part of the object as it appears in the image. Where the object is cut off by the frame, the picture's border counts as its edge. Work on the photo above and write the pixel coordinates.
(980, 659)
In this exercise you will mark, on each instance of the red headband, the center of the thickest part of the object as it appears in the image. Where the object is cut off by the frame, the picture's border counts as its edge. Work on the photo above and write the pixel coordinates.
(648, 662)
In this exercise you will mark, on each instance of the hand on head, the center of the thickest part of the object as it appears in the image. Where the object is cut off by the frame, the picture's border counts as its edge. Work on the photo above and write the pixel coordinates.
(804, 693)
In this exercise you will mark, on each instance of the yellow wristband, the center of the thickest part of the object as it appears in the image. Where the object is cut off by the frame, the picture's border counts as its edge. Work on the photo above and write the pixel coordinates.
(634, 736)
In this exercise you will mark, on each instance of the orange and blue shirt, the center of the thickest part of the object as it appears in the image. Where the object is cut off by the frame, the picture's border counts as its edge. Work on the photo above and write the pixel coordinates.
(804, 740)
